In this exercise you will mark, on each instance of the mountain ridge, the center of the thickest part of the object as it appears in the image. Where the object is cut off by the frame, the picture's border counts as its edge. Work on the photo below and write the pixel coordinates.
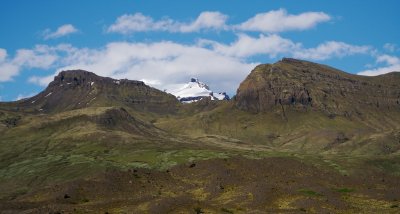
(76, 89)
(302, 84)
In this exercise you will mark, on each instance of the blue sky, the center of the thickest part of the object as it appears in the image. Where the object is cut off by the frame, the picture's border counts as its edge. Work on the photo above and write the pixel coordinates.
(167, 42)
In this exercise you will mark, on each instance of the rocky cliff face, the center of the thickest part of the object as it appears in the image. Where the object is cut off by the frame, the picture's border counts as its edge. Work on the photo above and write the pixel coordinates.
(79, 89)
(303, 85)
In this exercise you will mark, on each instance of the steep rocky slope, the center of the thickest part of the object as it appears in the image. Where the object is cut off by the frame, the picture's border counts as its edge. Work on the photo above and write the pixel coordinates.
(80, 89)
(304, 85)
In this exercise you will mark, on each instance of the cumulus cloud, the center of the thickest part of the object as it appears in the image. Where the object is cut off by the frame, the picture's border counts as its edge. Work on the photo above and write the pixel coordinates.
(389, 60)
(3, 54)
(279, 20)
(60, 32)
(269, 22)
(390, 47)
(163, 63)
(7, 71)
(34, 58)
(138, 22)
(390, 64)
(245, 46)
(331, 49)
(23, 96)
(42, 81)
(274, 45)
(158, 64)
(206, 20)
(41, 56)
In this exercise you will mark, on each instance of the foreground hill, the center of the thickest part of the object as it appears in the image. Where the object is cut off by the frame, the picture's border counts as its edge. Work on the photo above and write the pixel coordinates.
(297, 137)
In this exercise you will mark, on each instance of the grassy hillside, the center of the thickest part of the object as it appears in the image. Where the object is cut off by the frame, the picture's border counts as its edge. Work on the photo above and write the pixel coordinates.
(306, 132)
(92, 144)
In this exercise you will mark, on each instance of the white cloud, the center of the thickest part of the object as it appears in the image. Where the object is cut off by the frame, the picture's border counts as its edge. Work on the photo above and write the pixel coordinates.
(274, 45)
(138, 22)
(390, 60)
(23, 96)
(206, 20)
(222, 66)
(7, 71)
(272, 22)
(391, 63)
(390, 47)
(34, 58)
(379, 71)
(42, 81)
(279, 21)
(331, 49)
(41, 56)
(60, 32)
(246, 46)
(159, 64)
(3, 54)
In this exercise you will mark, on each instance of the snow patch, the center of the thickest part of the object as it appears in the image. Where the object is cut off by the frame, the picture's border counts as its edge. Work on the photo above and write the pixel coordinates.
(48, 94)
(190, 101)
(33, 101)
(220, 95)
(117, 82)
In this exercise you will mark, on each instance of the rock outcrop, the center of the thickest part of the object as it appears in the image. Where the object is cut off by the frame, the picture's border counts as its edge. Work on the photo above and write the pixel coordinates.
(303, 85)
(80, 89)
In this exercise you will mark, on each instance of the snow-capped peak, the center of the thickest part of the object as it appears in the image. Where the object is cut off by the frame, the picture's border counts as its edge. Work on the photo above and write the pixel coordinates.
(194, 91)
(195, 81)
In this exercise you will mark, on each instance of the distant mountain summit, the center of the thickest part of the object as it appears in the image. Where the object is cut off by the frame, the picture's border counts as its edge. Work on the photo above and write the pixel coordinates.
(75, 89)
(194, 91)
(302, 85)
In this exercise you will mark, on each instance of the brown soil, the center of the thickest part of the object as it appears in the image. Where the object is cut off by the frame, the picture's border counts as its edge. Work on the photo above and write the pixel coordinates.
(235, 185)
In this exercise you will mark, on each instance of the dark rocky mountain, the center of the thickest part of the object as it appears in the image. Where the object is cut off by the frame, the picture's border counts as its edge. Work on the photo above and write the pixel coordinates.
(303, 85)
(80, 89)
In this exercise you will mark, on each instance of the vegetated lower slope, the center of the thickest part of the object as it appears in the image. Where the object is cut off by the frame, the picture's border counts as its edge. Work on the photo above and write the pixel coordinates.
(299, 106)
(235, 185)
(49, 147)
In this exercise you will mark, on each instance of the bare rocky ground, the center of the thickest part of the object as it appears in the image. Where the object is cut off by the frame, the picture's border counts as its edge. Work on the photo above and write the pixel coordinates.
(233, 185)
